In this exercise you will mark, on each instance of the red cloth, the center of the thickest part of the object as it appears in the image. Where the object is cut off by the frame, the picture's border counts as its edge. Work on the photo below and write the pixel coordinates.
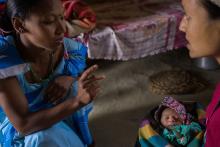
(77, 9)
(2, 7)
(213, 120)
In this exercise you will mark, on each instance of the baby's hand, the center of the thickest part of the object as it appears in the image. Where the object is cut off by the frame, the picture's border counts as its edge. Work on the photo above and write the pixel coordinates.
(58, 88)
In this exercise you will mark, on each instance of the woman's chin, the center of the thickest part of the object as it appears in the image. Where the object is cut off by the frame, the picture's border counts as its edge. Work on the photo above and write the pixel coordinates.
(190, 51)
(217, 59)
(194, 54)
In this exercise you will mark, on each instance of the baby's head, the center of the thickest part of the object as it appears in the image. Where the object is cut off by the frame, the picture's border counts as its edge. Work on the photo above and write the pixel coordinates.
(170, 117)
(171, 112)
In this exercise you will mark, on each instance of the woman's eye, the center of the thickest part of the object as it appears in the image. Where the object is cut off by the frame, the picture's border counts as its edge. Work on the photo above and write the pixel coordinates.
(48, 22)
(62, 17)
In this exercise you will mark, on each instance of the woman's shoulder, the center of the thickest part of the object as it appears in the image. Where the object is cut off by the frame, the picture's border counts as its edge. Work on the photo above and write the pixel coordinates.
(11, 64)
(72, 45)
(75, 55)
(5, 42)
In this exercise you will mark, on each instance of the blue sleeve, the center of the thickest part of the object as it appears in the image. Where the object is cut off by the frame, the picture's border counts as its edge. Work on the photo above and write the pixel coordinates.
(2, 1)
(75, 57)
(11, 64)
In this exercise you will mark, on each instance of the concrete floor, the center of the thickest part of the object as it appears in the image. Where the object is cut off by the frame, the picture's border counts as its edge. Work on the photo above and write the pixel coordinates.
(125, 99)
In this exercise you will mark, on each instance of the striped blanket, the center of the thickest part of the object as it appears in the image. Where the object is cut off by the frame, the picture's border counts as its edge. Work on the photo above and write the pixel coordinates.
(149, 131)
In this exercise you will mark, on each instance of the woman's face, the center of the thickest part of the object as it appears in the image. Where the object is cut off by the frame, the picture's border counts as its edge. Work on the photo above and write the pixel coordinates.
(169, 118)
(202, 33)
(45, 27)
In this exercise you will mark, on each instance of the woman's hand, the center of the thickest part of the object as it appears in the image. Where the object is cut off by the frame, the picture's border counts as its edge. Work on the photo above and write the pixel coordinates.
(58, 89)
(88, 86)
(15, 104)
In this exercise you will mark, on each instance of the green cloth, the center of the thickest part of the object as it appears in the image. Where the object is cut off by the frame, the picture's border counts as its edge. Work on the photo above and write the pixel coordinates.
(182, 134)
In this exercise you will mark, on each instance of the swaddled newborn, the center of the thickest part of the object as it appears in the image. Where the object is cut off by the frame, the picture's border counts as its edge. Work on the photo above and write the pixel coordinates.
(177, 124)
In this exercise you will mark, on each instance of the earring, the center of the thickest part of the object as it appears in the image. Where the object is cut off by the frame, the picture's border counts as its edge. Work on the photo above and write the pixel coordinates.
(20, 30)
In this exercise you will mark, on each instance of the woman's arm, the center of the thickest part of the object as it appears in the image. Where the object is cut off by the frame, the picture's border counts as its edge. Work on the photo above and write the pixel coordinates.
(58, 89)
(15, 104)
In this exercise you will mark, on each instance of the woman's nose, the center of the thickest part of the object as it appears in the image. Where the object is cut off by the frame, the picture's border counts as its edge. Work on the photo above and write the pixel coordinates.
(182, 26)
(61, 27)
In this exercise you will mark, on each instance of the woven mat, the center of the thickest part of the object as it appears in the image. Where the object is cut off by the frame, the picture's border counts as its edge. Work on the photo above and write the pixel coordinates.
(176, 82)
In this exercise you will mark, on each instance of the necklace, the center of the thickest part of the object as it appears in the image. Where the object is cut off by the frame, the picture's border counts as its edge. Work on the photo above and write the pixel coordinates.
(50, 70)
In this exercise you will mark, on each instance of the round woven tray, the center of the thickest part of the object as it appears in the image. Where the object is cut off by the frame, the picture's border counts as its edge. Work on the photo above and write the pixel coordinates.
(176, 82)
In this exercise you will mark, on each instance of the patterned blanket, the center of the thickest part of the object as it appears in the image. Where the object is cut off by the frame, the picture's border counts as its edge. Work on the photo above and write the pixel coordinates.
(149, 131)
(130, 29)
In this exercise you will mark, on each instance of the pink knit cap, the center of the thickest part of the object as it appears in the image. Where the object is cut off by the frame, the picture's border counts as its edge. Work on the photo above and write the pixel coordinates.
(170, 102)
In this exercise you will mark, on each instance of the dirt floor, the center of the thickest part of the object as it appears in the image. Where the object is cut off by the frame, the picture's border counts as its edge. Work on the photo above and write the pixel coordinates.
(125, 98)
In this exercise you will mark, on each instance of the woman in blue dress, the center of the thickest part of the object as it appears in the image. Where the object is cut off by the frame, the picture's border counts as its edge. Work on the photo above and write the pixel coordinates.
(45, 95)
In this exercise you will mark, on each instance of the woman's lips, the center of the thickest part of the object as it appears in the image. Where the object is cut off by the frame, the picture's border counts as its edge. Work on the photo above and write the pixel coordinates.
(59, 40)
(187, 43)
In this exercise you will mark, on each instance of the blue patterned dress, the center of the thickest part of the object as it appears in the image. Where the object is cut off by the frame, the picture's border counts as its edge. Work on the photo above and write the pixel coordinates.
(71, 132)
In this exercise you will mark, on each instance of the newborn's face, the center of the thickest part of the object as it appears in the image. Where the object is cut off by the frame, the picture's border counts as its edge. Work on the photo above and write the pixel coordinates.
(169, 118)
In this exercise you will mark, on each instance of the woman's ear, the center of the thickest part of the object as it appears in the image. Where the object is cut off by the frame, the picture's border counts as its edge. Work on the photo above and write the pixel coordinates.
(18, 25)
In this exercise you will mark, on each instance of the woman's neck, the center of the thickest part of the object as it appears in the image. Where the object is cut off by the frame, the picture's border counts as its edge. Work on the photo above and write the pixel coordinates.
(29, 52)
(42, 61)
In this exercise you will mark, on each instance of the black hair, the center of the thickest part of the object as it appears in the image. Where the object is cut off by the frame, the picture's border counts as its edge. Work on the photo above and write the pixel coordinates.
(16, 8)
(159, 113)
(212, 9)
